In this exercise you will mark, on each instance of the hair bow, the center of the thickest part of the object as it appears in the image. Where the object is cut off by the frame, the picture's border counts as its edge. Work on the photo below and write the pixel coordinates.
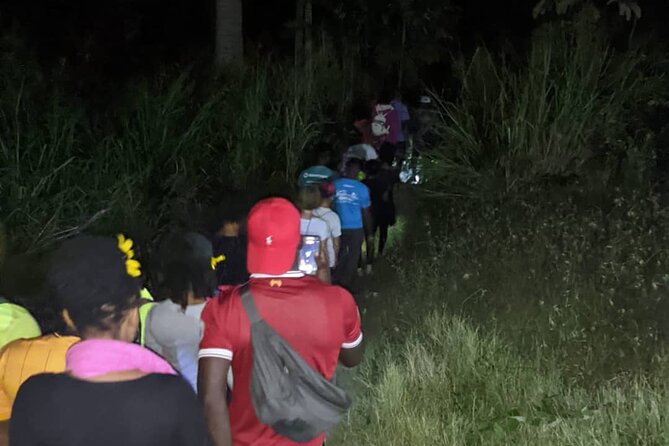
(132, 266)
(216, 260)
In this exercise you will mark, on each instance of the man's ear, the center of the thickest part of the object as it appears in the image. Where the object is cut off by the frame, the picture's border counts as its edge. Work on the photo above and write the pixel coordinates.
(68, 321)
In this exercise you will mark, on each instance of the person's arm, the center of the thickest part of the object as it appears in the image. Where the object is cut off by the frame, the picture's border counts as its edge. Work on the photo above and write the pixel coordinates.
(353, 347)
(323, 261)
(336, 234)
(217, 348)
(5, 402)
(336, 244)
(4, 433)
(351, 357)
(212, 390)
(368, 224)
(190, 428)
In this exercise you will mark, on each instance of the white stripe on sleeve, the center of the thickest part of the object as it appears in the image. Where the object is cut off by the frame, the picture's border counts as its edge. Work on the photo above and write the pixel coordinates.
(353, 344)
(215, 353)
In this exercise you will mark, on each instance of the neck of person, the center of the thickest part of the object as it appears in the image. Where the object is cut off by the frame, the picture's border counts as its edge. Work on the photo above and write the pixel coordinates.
(191, 299)
(307, 214)
(228, 231)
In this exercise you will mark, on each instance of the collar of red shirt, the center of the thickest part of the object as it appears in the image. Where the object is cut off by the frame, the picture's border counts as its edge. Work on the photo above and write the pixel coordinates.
(288, 275)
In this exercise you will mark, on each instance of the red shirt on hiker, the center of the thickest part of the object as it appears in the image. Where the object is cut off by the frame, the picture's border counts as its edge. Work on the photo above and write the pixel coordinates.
(317, 320)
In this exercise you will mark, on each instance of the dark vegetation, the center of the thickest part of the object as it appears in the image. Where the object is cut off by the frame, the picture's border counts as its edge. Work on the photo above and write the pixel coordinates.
(528, 301)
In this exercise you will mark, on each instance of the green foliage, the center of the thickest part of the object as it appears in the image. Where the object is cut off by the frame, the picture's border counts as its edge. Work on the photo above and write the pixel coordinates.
(628, 9)
(397, 37)
(449, 384)
(566, 114)
(534, 322)
(163, 147)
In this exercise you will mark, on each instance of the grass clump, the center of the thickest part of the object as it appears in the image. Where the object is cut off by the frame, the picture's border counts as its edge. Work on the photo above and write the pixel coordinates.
(570, 111)
(450, 384)
(535, 321)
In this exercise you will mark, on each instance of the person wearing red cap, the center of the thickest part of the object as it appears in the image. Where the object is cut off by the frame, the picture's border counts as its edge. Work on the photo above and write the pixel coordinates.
(320, 322)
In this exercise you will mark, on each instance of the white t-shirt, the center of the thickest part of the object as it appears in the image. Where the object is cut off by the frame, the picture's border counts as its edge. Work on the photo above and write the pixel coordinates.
(334, 226)
(316, 227)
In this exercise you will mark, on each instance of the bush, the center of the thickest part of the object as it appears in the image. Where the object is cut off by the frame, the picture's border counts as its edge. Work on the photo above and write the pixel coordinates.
(569, 112)
(160, 148)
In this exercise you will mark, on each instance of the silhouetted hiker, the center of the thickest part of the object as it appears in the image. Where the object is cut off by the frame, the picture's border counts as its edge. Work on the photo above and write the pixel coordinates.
(16, 323)
(386, 123)
(325, 212)
(402, 133)
(318, 322)
(352, 204)
(308, 200)
(230, 243)
(173, 327)
(114, 392)
(380, 181)
(23, 358)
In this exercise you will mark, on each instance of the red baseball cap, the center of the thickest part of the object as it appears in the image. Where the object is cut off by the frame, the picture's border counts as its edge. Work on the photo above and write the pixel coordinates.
(273, 236)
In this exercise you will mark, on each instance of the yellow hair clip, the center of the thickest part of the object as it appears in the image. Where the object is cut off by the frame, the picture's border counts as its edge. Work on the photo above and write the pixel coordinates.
(132, 266)
(216, 260)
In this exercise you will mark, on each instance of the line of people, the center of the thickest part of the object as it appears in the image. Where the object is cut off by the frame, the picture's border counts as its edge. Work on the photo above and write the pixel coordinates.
(116, 366)
(123, 369)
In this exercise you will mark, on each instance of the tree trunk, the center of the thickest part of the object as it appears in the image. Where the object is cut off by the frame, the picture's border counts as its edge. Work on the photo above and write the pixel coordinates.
(229, 39)
(308, 37)
(299, 32)
(400, 71)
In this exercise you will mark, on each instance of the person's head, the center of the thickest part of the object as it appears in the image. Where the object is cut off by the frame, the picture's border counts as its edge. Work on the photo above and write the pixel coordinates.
(187, 268)
(353, 168)
(273, 236)
(327, 191)
(95, 283)
(387, 153)
(373, 167)
(386, 95)
(231, 217)
(324, 158)
(308, 197)
(360, 109)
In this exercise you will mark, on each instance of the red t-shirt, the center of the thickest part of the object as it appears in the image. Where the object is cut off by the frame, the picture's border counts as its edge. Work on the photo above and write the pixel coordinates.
(316, 319)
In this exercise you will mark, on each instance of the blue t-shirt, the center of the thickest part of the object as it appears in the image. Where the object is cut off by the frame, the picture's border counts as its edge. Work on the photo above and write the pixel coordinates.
(351, 197)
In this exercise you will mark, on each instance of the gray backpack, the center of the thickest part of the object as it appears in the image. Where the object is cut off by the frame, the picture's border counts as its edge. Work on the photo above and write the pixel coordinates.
(287, 393)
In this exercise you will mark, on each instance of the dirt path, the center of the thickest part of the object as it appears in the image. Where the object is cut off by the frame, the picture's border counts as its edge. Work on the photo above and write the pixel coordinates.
(384, 279)
(373, 307)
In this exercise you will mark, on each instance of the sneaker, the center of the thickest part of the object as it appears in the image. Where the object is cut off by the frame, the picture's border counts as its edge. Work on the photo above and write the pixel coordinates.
(370, 270)
(360, 272)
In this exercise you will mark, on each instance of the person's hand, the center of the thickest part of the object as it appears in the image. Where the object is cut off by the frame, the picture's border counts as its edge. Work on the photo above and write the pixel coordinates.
(322, 259)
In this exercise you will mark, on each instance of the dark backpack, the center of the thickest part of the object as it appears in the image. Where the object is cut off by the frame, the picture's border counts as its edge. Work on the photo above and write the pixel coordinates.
(287, 393)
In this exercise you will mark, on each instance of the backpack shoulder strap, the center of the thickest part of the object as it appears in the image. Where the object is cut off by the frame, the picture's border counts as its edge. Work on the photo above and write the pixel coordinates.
(249, 304)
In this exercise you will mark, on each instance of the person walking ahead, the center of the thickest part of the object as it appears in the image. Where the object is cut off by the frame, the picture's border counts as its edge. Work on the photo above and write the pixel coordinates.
(353, 205)
(114, 392)
(319, 322)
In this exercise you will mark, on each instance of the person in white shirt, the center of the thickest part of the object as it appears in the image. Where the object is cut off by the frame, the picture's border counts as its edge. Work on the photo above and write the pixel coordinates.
(325, 212)
(309, 199)
(186, 280)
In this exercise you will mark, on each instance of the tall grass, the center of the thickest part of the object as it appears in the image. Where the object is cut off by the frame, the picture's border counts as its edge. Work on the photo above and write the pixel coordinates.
(158, 149)
(567, 112)
(450, 384)
(538, 321)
